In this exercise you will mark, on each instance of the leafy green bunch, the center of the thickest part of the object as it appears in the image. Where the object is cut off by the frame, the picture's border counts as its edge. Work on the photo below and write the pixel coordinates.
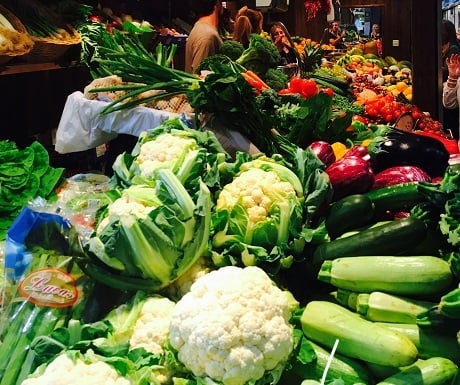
(24, 174)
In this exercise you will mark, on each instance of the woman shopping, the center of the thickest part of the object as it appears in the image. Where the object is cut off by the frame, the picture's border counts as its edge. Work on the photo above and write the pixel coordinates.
(282, 39)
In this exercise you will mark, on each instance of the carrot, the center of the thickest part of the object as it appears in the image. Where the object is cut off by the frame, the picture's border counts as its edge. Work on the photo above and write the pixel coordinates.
(254, 80)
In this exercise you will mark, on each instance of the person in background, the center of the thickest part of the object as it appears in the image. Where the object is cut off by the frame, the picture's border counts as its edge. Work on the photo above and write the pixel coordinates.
(247, 21)
(451, 90)
(375, 32)
(204, 39)
(283, 41)
(336, 35)
(449, 47)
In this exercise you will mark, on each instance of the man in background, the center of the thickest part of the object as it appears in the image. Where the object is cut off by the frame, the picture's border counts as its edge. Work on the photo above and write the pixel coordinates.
(204, 39)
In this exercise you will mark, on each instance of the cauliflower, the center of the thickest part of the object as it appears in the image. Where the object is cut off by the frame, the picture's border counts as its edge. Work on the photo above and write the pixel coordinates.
(258, 216)
(165, 150)
(151, 328)
(126, 207)
(256, 189)
(63, 370)
(232, 326)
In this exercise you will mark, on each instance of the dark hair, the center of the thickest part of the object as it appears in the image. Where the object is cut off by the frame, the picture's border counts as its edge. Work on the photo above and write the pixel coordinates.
(448, 33)
(242, 30)
(255, 18)
(203, 7)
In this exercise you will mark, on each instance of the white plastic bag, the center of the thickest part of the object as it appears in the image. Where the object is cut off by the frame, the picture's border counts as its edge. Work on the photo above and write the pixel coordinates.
(82, 126)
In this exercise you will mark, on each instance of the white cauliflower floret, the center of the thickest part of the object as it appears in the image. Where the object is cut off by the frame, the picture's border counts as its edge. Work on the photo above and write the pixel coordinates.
(152, 327)
(125, 207)
(233, 325)
(165, 150)
(255, 187)
(64, 371)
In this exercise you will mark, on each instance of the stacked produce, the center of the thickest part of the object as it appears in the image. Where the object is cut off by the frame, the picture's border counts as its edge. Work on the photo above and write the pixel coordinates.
(14, 40)
(331, 255)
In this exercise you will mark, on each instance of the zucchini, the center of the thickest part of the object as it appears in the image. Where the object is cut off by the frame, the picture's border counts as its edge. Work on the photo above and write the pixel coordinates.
(433, 371)
(324, 322)
(333, 87)
(396, 237)
(416, 276)
(348, 213)
(331, 79)
(383, 307)
(429, 343)
(349, 370)
(396, 197)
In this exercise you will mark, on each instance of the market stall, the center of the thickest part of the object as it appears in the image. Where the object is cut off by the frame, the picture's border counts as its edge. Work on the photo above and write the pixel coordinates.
(324, 250)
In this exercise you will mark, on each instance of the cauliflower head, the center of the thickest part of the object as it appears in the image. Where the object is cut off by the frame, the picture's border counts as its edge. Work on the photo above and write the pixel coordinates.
(165, 151)
(63, 370)
(152, 327)
(232, 326)
(257, 190)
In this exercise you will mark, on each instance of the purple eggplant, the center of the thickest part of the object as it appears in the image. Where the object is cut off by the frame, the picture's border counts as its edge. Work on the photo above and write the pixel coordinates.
(350, 175)
(400, 174)
(323, 151)
(396, 148)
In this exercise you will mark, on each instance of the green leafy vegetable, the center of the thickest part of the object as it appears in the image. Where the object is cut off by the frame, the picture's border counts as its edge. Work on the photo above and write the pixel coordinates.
(151, 234)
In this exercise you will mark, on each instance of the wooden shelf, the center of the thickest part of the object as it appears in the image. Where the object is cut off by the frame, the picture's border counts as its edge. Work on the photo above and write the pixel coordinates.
(14, 69)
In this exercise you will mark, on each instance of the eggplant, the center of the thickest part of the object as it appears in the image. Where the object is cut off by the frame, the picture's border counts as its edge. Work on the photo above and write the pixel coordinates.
(399, 148)
(350, 175)
(400, 174)
(323, 151)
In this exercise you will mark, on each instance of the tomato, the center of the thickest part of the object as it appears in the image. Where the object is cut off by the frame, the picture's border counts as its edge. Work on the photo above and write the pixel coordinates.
(295, 84)
(388, 118)
(309, 88)
(328, 91)
(285, 91)
(416, 114)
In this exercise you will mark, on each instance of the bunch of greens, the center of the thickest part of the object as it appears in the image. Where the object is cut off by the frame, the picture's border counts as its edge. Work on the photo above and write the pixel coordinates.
(24, 174)
(302, 121)
(226, 97)
(232, 48)
(261, 55)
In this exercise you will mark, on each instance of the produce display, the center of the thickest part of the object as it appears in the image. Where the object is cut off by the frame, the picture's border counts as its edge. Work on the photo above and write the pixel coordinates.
(329, 256)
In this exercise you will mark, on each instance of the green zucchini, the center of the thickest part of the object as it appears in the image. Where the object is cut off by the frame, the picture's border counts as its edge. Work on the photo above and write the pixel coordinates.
(331, 79)
(349, 370)
(393, 238)
(348, 213)
(324, 322)
(433, 371)
(396, 197)
(416, 276)
(383, 307)
(429, 343)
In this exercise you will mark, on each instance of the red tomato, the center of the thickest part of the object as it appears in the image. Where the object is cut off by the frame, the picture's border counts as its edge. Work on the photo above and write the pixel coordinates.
(295, 84)
(328, 91)
(309, 88)
(285, 91)
(415, 114)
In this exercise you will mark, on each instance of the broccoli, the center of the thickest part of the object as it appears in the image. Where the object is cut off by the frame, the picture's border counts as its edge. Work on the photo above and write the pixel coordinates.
(261, 55)
(207, 62)
(231, 48)
(276, 79)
